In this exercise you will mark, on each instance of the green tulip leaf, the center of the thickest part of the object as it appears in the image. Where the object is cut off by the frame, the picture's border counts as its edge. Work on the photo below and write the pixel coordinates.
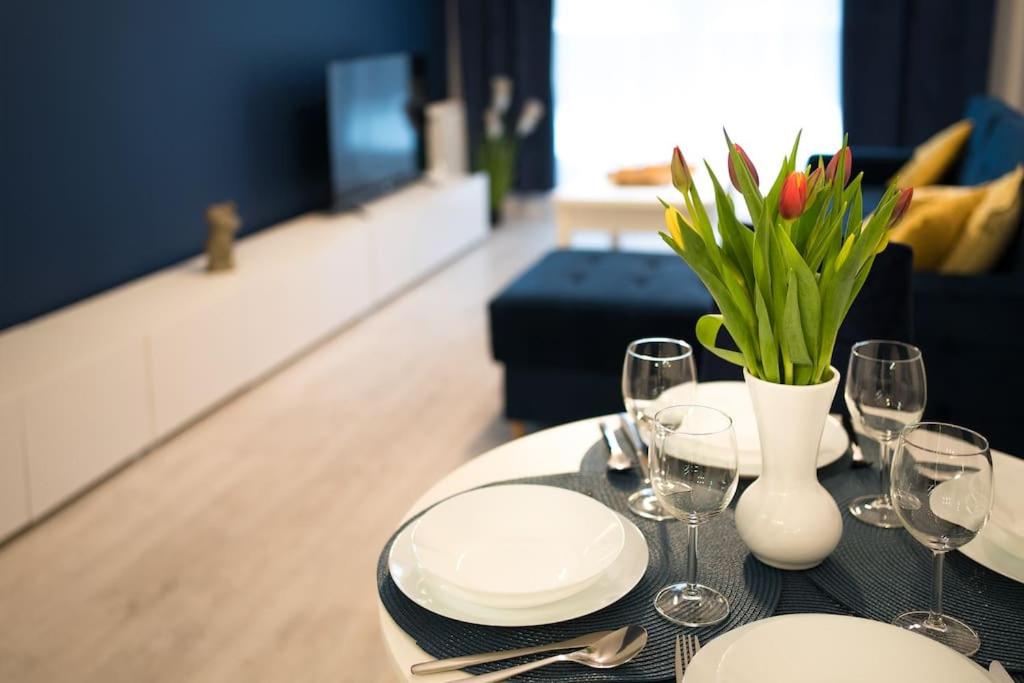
(707, 334)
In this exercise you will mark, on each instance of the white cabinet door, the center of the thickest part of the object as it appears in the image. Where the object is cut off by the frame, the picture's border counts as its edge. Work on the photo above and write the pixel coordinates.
(14, 511)
(82, 422)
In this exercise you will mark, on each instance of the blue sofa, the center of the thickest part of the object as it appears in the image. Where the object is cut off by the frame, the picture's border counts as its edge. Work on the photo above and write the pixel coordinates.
(970, 328)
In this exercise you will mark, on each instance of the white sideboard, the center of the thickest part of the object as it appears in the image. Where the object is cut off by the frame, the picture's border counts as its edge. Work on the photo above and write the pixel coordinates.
(88, 387)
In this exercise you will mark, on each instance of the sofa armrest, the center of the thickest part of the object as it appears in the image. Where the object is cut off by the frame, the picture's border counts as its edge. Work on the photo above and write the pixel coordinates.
(879, 164)
(968, 330)
(968, 312)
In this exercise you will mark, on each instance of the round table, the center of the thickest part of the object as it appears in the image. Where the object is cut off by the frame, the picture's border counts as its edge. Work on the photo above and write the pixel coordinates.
(552, 451)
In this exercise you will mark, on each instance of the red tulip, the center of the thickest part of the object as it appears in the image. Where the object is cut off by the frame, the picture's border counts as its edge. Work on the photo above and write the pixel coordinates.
(748, 163)
(793, 195)
(902, 204)
(681, 177)
(830, 170)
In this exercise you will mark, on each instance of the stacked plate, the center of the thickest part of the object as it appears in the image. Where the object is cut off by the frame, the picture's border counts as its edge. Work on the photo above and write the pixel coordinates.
(518, 555)
(1000, 545)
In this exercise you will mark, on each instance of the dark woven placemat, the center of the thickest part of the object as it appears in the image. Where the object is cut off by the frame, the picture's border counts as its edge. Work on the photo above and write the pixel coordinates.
(752, 589)
(880, 573)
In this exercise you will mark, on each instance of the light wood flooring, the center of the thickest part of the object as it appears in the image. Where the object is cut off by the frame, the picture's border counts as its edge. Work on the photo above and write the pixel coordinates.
(245, 548)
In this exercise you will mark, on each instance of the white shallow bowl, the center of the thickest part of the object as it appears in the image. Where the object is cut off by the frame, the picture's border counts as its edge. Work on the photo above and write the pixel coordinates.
(1000, 545)
(426, 591)
(518, 545)
(812, 648)
(733, 399)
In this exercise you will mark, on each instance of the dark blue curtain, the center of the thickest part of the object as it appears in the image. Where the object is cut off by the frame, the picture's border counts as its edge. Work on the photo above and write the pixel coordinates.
(909, 66)
(510, 37)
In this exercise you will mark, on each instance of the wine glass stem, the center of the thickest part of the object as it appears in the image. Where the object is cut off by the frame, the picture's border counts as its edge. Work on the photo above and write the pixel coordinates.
(691, 558)
(885, 458)
(644, 460)
(935, 617)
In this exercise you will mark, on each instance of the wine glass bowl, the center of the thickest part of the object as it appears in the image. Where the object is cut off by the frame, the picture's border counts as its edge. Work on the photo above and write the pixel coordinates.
(886, 389)
(941, 488)
(694, 469)
(657, 372)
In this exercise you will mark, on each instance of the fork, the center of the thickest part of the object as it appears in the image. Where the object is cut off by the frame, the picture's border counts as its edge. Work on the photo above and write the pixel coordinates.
(690, 647)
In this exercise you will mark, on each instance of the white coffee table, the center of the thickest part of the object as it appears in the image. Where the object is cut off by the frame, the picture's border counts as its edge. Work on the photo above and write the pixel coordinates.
(600, 205)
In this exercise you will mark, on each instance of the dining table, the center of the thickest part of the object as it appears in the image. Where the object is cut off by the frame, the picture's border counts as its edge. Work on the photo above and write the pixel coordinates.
(558, 450)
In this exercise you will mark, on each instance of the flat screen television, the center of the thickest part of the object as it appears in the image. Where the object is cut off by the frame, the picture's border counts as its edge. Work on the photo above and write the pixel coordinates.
(374, 145)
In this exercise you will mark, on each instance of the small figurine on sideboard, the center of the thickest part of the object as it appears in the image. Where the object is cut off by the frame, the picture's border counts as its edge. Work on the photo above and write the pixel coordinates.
(222, 222)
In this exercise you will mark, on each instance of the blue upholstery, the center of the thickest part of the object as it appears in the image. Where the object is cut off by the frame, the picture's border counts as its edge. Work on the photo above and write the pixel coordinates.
(579, 309)
(561, 328)
(996, 144)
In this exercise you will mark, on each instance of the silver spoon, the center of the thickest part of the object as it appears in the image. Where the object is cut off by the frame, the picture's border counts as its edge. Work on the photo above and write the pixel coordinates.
(617, 459)
(615, 649)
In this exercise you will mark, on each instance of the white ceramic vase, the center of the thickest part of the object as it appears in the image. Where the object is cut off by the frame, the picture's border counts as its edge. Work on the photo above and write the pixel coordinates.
(786, 518)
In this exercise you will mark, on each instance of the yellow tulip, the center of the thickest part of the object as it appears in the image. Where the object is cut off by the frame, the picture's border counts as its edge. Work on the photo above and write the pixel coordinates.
(674, 222)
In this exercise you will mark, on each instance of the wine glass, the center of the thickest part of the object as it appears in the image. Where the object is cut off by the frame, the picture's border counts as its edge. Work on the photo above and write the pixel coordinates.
(694, 470)
(886, 390)
(656, 373)
(942, 492)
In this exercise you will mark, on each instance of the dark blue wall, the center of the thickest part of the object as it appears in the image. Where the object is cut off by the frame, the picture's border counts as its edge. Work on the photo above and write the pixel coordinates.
(123, 119)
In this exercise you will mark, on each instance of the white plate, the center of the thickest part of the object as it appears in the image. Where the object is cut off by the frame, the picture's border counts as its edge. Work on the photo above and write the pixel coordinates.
(422, 589)
(811, 648)
(733, 399)
(517, 545)
(1000, 545)
(1008, 505)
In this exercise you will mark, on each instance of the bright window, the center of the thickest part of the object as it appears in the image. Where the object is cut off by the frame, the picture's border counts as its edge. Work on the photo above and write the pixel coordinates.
(632, 79)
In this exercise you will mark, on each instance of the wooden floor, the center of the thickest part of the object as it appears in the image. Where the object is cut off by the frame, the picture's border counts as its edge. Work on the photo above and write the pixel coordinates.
(245, 548)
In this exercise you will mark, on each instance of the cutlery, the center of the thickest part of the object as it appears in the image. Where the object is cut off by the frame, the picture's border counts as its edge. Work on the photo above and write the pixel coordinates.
(857, 458)
(614, 649)
(691, 645)
(997, 673)
(617, 459)
(679, 662)
(630, 430)
(453, 663)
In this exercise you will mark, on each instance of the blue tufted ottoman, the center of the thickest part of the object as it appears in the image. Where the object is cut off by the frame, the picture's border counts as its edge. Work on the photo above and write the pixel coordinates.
(562, 327)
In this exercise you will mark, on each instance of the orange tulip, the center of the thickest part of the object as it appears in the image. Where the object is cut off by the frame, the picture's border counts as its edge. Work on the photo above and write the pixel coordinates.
(747, 162)
(793, 195)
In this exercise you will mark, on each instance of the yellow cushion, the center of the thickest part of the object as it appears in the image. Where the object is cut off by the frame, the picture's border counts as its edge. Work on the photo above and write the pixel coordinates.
(933, 156)
(934, 221)
(989, 228)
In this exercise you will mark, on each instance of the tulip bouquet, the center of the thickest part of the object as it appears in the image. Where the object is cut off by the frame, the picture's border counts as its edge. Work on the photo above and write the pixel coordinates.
(784, 287)
(500, 147)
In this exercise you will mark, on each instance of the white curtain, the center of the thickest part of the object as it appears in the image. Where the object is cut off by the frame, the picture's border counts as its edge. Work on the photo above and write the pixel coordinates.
(633, 78)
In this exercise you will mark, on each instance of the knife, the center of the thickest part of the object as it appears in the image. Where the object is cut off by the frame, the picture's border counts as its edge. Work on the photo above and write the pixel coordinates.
(454, 663)
(630, 430)
(629, 427)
